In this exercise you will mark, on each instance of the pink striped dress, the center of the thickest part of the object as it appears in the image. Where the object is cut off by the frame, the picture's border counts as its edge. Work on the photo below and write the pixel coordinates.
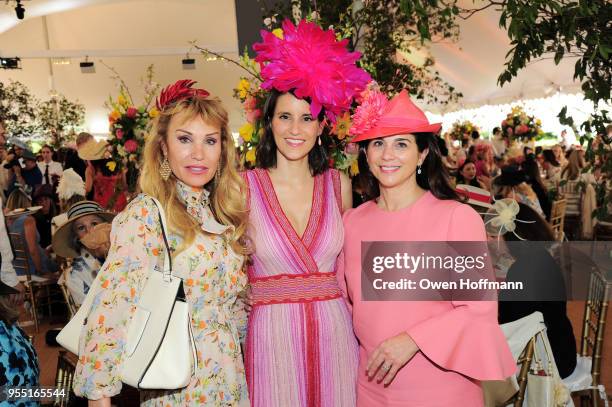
(300, 346)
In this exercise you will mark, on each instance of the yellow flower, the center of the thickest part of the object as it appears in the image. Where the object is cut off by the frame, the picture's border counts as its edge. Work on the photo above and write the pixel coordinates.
(115, 115)
(354, 169)
(278, 32)
(246, 131)
(538, 122)
(153, 113)
(243, 88)
(111, 165)
(250, 156)
(122, 100)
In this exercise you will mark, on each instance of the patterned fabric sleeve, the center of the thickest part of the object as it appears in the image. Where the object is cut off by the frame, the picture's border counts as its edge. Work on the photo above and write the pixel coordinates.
(136, 249)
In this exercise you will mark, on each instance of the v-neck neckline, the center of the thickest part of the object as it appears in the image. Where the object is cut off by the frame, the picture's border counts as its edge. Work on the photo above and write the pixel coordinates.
(315, 207)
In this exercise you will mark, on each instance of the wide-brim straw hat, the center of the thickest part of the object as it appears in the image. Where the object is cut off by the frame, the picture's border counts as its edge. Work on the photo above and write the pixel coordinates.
(92, 150)
(63, 240)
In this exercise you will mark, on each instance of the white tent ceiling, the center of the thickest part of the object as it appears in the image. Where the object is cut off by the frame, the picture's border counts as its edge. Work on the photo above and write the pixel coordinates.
(131, 34)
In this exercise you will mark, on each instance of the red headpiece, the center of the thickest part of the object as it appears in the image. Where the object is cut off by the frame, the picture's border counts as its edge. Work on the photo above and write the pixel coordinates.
(376, 117)
(182, 89)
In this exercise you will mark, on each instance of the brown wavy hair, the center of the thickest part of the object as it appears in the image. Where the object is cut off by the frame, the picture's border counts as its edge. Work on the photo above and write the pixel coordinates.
(226, 193)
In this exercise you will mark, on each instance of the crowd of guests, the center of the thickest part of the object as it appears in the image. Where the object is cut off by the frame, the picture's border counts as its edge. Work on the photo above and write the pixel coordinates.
(528, 174)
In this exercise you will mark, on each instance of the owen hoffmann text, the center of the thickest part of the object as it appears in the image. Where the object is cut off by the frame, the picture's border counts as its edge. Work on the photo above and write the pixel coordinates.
(459, 264)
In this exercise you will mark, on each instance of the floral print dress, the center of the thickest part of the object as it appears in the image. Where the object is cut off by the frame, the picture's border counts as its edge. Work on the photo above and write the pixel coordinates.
(213, 277)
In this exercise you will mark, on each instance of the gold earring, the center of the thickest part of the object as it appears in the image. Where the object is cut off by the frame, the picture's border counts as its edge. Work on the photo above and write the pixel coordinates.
(217, 175)
(165, 170)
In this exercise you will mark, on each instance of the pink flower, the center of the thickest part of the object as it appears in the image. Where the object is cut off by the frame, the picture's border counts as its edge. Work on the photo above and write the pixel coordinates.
(504, 123)
(131, 112)
(351, 148)
(250, 103)
(509, 130)
(130, 146)
(313, 63)
(253, 115)
(119, 134)
(368, 113)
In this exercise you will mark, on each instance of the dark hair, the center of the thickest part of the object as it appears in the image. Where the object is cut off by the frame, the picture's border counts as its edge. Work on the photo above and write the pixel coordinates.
(434, 176)
(266, 149)
(538, 150)
(475, 135)
(442, 146)
(100, 165)
(464, 142)
(461, 179)
(47, 146)
(550, 157)
(496, 129)
(537, 230)
(532, 171)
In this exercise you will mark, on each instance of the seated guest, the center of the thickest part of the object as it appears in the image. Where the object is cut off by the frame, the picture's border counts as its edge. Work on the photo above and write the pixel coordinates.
(18, 361)
(25, 226)
(575, 164)
(70, 190)
(43, 196)
(512, 183)
(29, 176)
(534, 179)
(466, 174)
(85, 238)
(544, 286)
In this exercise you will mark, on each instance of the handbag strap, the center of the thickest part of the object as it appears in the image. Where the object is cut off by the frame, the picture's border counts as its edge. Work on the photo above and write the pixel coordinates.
(162, 221)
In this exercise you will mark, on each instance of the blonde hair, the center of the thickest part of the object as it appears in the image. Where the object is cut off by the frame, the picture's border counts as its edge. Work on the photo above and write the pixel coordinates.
(18, 199)
(227, 191)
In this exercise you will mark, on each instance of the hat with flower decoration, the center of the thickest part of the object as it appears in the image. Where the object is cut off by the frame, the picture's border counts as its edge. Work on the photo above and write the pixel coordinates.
(311, 63)
(378, 117)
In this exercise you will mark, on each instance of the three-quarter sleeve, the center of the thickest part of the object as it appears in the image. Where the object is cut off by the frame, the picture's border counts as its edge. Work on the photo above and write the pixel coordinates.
(472, 342)
(136, 249)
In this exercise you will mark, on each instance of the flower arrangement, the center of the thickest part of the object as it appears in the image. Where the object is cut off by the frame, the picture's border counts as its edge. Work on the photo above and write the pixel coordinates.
(128, 125)
(462, 130)
(519, 126)
(269, 70)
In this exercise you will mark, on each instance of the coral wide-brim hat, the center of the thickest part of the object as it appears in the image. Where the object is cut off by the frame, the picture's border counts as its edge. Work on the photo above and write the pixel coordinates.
(398, 116)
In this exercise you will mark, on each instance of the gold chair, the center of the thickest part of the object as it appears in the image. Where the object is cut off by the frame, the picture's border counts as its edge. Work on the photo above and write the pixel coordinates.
(22, 267)
(525, 362)
(557, 218)
(64, 376)
(586, 378)
(70, 303)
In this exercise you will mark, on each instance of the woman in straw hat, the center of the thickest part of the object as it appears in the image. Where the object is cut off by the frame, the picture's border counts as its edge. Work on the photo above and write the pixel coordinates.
(414, 353)
(85, 238)
(296, 205)
(189, 166)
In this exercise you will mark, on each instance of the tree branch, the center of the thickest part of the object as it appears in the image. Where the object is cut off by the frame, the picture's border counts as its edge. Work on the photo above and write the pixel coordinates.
(220, 56)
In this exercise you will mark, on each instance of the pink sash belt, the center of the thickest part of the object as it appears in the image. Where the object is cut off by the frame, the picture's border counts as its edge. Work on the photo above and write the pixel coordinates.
(294, 288)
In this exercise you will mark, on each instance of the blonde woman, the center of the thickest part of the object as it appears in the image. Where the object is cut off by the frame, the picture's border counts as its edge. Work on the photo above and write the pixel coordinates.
(189, 166)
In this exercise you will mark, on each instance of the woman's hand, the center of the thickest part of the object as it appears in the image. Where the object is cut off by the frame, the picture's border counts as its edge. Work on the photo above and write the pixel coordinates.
(247, 298)
(390, 356)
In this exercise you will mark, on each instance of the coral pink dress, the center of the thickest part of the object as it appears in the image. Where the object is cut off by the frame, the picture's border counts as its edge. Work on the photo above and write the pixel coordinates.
(300, 347)
(460, 342)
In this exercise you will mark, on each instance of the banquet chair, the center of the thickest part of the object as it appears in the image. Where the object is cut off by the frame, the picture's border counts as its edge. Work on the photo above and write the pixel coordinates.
(22, 268)
(602, 231)
(64, 376)
(70, 303)
(557, 218)
(586, 377)
(521, 337)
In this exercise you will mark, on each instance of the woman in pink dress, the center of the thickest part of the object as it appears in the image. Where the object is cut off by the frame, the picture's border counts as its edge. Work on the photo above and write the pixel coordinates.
(300, 346)
(414, 353)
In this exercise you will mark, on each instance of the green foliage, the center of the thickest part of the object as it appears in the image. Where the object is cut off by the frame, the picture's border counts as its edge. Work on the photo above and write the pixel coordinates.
(59, 118)
(381, 28)
(18, 109)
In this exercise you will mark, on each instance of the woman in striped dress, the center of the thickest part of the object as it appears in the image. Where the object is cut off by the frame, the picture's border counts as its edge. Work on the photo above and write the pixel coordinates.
(300, 347)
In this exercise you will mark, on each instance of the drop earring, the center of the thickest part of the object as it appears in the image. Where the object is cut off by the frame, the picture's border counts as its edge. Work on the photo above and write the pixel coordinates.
(419, 169)
(319, 140)
(165, 170)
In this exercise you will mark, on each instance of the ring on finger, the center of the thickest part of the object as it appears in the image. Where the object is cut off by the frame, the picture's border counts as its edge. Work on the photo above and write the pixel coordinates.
(386, 367)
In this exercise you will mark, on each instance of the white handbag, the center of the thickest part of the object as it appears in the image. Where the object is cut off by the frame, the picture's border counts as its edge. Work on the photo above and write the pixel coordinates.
(544, 386)
(160, 351)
